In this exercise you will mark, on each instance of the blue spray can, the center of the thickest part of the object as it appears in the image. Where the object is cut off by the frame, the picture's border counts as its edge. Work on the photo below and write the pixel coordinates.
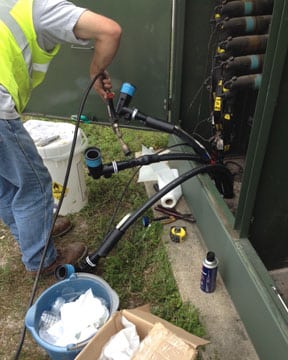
(209, 273)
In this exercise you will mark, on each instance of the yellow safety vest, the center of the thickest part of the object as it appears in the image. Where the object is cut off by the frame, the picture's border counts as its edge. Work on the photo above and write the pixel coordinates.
(23, 64)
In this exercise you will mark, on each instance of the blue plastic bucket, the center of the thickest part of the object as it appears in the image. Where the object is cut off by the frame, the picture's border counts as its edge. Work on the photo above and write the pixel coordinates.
(77, 284)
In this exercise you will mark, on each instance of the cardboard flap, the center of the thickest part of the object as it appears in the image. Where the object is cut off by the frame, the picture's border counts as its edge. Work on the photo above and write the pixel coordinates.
(148, 318)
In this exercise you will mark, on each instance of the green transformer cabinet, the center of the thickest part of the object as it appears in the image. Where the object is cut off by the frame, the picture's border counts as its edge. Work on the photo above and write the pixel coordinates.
(251, 237)
(171, 51)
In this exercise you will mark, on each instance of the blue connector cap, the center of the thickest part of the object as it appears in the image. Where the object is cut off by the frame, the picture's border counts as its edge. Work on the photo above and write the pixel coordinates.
(63, 272)
(92, 157)
(128, 89)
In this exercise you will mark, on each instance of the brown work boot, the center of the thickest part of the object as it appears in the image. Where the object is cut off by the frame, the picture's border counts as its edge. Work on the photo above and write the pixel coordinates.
(70, 254)
(61, 227)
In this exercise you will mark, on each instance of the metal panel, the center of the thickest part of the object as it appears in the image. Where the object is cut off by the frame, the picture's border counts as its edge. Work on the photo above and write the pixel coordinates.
(143, 59)
(244, 273)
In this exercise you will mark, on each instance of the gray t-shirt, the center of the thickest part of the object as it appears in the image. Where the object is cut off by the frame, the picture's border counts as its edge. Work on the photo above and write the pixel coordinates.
(54, 21)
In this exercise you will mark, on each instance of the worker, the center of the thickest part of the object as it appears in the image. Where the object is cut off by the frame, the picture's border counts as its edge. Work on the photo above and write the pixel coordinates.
(31, 33)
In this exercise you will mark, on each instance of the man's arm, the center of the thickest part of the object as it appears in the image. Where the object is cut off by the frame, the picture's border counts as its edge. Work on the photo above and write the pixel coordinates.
(106, 33)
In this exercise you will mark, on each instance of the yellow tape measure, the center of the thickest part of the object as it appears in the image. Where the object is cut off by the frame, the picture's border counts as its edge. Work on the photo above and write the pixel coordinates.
(177, 233)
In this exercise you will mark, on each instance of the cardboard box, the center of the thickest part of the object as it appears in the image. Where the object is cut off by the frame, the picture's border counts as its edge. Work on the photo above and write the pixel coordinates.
(144, 322)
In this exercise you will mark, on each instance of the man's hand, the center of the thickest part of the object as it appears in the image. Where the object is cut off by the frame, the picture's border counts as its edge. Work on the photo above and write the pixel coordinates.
(103, 85)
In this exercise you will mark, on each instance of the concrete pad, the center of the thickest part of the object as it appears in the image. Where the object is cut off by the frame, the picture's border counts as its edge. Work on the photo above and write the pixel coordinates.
(225, 330)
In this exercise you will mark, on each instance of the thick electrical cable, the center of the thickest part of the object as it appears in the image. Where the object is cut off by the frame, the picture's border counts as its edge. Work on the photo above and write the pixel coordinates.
(117, 207)
(65, 182)
(208, 169)
(89, 263)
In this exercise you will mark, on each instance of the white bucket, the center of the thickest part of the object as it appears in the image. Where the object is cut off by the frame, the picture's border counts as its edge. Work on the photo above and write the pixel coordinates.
(55, 155)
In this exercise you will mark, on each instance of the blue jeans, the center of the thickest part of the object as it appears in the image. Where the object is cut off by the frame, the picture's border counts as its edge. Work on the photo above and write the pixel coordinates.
(26, 201)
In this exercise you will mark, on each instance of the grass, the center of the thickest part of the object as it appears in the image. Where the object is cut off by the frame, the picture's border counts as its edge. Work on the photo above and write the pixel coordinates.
(137, 268)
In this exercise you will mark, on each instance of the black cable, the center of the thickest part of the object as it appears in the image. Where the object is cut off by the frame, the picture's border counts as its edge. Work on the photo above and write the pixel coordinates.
(129, 182)
(90, 262)
(209, 77)
(211, 168)
(195, 130)
(124, 192)
(198, 92)
(121, 199)
(66, 178)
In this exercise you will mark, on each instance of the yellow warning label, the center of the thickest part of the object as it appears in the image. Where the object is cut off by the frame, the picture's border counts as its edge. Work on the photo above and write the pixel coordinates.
(217, 103)
(57, 190)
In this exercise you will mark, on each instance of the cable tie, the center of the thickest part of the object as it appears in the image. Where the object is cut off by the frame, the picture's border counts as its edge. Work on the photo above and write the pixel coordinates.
(115, 167)
(89, 262)
(134, 113)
